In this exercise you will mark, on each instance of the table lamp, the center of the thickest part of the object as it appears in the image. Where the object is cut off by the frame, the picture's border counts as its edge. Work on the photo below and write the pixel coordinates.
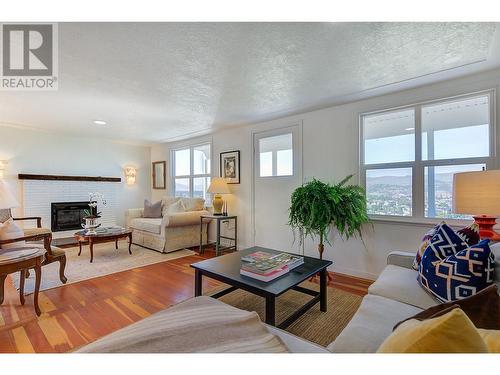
(7, 199)
(478, 194)
(218, 186)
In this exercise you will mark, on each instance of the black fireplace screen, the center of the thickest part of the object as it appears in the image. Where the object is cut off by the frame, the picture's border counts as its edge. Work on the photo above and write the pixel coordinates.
(68, 215)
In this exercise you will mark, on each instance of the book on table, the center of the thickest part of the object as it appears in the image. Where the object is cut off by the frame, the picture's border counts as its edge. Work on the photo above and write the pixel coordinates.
(265, 277)
(266, 266)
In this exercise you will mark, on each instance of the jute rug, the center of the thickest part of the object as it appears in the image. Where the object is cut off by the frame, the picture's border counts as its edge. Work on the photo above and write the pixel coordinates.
(316, 326)
(107, 260)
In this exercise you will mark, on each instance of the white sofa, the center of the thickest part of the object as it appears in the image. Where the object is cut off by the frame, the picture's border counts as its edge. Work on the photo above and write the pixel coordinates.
(393, 297)
(178, 228)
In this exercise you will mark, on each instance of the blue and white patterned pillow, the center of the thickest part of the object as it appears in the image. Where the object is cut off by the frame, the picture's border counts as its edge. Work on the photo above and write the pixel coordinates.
(458, 275)
(445, 242)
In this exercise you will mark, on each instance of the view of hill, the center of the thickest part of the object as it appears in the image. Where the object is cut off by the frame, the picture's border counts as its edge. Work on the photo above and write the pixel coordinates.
(392, 195)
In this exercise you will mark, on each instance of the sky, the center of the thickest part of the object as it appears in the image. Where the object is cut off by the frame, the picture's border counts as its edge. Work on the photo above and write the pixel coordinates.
(472, 141)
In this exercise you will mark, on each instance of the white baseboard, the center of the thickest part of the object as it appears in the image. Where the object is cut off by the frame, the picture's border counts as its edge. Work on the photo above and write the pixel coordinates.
(353, 272)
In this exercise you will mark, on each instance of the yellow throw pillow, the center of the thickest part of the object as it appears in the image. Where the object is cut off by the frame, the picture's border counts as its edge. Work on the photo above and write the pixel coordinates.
(449, 333)
(492, 339)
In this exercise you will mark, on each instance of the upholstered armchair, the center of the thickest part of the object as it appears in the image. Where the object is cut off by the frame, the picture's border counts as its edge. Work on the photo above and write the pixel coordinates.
(54, 254)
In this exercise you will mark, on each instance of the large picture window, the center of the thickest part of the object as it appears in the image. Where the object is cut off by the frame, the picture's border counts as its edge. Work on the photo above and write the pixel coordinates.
(409, 155)
(191, 171)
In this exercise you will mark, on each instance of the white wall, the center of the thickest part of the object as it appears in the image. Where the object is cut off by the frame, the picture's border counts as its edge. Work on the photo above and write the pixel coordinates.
(330, 152)
(39, 152)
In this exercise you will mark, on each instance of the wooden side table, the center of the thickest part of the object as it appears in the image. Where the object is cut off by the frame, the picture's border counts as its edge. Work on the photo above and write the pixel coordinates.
(219, 219)
(13, 260)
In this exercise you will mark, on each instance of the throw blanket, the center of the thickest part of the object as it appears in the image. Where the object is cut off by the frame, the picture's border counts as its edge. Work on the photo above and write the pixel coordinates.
(198, 325)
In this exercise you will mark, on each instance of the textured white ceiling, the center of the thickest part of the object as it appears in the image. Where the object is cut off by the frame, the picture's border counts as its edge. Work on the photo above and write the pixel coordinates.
(163, 81)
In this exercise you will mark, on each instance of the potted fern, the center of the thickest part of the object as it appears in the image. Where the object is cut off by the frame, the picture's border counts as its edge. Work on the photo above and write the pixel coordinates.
(317, 207)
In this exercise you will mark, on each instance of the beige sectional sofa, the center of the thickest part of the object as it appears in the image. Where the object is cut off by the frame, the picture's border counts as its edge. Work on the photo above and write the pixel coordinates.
(178, 228)
(394, 296)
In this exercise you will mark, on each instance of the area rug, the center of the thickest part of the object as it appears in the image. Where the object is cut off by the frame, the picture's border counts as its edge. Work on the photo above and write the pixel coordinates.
(107, 260)
(316, 326)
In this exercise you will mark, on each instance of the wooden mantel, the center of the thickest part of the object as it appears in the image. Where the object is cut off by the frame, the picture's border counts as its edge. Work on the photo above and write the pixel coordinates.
(24, 176)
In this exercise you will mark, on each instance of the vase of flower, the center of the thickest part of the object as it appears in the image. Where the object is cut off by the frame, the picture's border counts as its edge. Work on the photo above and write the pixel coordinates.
(90, 225)
(91, 215)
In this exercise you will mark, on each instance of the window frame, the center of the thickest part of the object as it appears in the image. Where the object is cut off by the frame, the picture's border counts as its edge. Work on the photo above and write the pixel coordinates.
(274, 153)
(192, 175)
(418, 165)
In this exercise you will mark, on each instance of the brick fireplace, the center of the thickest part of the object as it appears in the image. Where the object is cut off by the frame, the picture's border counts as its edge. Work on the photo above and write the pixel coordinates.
(39, 195)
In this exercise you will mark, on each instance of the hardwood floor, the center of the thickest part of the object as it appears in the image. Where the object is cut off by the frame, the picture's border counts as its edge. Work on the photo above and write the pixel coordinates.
(76, 314)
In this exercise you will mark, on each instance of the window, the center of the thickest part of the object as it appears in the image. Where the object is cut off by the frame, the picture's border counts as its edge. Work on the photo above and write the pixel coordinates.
(438, 185)
(389, 191)
(409, 155)
(191, 171)
(276, 155)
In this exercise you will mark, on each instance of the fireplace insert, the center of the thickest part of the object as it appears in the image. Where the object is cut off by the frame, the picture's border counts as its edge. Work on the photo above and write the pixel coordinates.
(68, 215)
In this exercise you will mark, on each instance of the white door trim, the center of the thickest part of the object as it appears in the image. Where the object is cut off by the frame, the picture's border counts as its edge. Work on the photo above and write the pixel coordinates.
(299, 126)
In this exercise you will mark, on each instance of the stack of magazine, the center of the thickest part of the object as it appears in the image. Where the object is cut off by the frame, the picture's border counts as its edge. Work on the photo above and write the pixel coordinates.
(265, 266)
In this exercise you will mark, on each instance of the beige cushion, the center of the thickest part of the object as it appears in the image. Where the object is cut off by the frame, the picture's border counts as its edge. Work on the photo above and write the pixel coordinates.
(147, 225)
(175, 207)
(55, 251)
(193, 204)
(10, 230)
(371, 325)
(14, 255)
(401, 284)
(184, 218)
(36, 231)
(152, 210)
(188, 204)
(167, 202)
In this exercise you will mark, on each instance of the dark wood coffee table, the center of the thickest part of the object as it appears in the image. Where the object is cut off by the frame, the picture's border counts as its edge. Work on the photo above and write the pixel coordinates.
(111, 235)
(226, 269)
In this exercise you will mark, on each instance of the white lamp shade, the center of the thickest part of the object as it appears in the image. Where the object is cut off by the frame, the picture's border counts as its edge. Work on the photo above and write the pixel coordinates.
(477, 193)
(7, 199)
(218, 185)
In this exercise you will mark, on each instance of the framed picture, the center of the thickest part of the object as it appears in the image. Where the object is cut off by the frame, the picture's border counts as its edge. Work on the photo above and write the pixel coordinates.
(230, 166)
(159, 175)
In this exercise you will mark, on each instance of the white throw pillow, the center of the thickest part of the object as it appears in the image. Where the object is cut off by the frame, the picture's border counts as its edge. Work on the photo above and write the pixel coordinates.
(10, 230)
(193, 204)
(176, 208)
(167, 201)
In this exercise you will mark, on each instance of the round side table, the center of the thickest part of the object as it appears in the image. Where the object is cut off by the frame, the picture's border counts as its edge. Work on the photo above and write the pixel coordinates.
(14, 260)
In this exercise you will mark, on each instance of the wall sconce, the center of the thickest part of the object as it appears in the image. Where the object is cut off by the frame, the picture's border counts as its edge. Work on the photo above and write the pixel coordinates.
(130, 175)
(3, 166)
